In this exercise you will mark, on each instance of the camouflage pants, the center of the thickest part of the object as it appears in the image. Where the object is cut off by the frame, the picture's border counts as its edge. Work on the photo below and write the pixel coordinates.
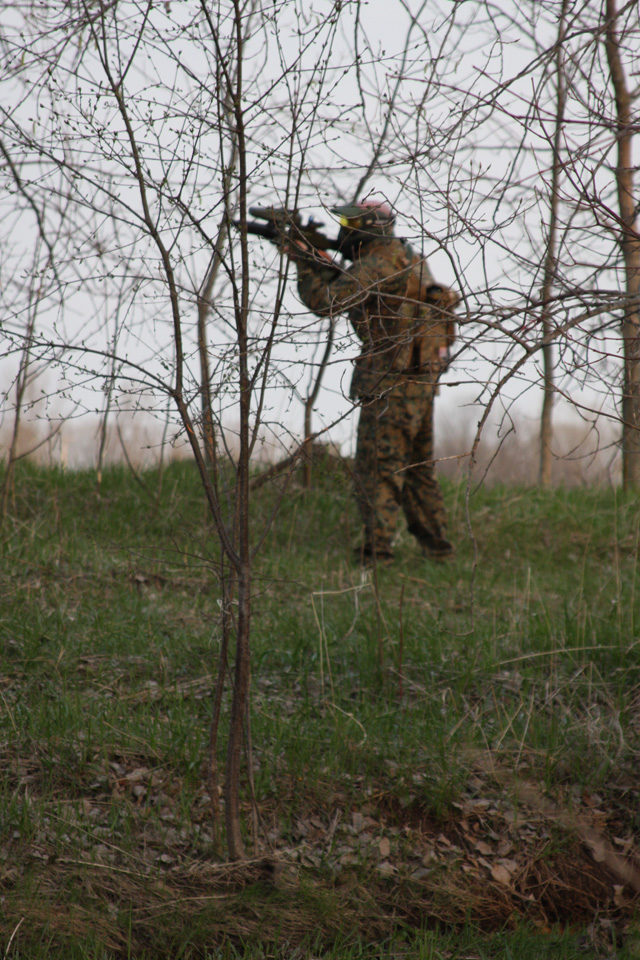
(395, 468)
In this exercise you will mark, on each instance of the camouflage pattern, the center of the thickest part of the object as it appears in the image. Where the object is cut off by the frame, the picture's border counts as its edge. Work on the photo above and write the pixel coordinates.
(404, 323)
(395, 469)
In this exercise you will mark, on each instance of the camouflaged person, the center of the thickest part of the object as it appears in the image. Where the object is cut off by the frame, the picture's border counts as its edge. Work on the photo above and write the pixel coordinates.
(404, 322)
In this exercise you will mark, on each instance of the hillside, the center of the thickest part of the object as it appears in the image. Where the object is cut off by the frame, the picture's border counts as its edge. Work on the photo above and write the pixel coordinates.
(445, 757)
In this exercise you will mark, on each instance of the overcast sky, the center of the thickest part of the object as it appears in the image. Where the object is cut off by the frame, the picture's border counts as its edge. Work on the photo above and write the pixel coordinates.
(435, 59)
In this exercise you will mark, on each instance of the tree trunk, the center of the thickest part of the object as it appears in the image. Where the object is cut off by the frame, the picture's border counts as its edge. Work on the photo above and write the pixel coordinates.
(629, 241)
(546, 418)
(239, 707)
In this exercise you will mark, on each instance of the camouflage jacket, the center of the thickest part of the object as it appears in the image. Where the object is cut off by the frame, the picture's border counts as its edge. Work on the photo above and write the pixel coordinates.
(401, 318)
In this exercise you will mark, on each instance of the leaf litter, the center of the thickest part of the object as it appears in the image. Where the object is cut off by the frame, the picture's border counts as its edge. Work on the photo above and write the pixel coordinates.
(502, 855)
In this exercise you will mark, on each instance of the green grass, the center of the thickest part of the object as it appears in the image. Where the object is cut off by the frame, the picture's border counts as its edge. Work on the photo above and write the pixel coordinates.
(411, 736)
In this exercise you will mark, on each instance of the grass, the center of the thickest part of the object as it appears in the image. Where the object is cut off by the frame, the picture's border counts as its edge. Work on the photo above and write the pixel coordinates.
(444, 757)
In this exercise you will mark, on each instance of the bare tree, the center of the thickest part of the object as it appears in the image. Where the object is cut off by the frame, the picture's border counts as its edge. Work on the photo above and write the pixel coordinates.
(154, 142)
(32, 290)
(152, 126)
(528, 150)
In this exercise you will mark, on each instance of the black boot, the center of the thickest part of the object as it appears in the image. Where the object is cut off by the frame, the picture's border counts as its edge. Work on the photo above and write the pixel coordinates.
(368, 556)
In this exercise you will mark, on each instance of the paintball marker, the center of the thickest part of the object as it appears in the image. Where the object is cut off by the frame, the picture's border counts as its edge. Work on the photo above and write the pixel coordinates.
(276, 223)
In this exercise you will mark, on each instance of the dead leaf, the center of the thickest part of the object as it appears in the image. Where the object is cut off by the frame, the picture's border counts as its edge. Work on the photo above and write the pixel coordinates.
(500, 874)
(597, 847)
(428, 856)
(484, 848)
(357, 822)
(384, 847)
(135, 776)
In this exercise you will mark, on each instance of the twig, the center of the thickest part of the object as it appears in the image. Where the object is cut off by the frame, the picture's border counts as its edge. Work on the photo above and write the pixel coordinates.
(15, 930)
(8, 709)
(552, 653)
(401, 650)
(332, 828)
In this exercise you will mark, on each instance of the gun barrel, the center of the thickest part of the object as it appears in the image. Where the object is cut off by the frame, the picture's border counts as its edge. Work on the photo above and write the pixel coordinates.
(267, 230)
(280, 222)
(275, 214)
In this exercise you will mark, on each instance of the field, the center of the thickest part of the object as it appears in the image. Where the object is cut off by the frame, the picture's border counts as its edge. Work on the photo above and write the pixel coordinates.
(446, 758)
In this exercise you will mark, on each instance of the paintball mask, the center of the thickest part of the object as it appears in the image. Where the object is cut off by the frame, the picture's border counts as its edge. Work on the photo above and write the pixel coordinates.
(360, 223)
